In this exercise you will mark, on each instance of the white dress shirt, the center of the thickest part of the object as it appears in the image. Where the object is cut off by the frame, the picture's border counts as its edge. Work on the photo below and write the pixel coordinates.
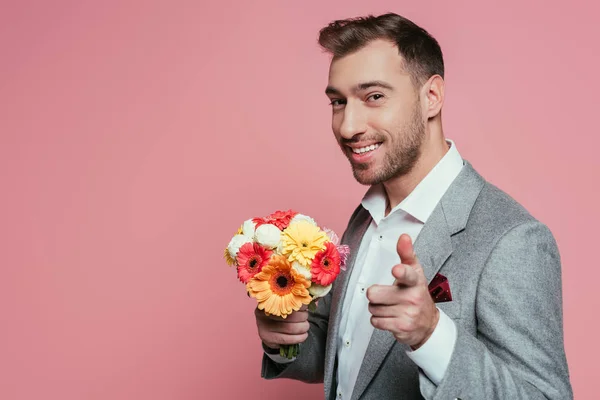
(374, 261)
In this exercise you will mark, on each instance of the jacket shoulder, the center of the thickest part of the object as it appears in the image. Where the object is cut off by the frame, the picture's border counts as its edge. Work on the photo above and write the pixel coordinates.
(495, 213)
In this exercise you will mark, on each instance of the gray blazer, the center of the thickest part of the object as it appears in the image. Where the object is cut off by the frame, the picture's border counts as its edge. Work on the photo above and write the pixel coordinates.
(504, 272)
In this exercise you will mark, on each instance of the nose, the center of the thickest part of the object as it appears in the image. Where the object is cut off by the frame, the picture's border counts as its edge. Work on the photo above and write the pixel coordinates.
(353, 121)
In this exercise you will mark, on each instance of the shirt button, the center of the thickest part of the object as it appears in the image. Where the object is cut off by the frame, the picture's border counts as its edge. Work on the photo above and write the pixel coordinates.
(380, 237)
(347, 343)
(362, 289)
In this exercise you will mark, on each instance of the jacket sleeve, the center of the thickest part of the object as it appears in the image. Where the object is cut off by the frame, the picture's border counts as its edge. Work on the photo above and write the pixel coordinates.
(309, 364)
(517, 351)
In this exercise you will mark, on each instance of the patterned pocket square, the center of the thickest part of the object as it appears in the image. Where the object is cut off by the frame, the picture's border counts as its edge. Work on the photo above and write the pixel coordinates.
(439, 289)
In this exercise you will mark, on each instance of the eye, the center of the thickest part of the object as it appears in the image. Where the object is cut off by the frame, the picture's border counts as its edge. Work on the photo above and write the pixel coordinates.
(336, 103)
(374, 97)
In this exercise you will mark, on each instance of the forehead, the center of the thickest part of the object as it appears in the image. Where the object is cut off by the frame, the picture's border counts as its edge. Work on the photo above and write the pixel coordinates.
(379, 60)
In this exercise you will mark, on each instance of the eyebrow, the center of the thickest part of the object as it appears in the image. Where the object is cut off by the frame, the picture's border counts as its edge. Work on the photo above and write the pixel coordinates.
(360, 87)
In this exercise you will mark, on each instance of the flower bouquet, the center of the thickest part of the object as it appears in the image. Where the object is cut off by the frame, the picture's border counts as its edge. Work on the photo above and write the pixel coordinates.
(286, 261)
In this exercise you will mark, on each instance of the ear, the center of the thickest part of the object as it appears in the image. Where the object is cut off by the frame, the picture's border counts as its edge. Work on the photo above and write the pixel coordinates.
(434, 96)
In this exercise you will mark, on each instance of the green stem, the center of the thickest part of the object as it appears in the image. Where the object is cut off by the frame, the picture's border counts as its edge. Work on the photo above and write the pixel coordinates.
(289, 351)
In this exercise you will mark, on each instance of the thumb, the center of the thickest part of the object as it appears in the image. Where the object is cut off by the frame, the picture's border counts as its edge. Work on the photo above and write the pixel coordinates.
(405, 250)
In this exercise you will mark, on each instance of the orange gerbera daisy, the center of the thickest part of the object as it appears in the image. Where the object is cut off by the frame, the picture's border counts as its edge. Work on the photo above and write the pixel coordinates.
(251, 258)
(278, 288)
(326, 265)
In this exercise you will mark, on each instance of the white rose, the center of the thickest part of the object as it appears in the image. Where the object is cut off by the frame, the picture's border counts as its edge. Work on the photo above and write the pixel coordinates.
(317, 291)
(302, 270)
(248, 228)
(302, 217)
(268, 235)
(236, 242)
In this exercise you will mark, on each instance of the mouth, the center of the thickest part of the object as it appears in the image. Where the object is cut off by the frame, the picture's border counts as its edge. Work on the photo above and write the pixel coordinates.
(365, 149)
(364, 153)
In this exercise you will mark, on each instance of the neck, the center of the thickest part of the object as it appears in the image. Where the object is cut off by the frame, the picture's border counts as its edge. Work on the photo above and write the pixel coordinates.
(399, 187)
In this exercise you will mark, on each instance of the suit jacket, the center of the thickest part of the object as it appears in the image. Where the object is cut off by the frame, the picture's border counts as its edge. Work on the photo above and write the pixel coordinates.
(504, 271)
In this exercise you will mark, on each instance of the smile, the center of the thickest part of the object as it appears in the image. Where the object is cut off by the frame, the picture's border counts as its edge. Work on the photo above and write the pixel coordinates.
(365, 149)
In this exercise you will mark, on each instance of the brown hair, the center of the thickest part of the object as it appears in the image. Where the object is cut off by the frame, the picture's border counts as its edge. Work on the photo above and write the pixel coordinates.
(421, 52)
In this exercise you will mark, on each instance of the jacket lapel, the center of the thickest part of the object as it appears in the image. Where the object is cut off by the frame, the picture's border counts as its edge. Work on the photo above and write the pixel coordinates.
(433, 247)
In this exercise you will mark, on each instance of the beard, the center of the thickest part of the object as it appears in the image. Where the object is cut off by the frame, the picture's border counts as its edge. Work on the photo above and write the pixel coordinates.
(401, 154)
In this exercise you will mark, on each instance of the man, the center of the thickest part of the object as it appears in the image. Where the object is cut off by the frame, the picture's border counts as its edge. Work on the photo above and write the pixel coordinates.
(379, 334)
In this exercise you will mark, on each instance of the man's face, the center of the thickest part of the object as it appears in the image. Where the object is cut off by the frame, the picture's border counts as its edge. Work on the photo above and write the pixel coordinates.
(377, 118)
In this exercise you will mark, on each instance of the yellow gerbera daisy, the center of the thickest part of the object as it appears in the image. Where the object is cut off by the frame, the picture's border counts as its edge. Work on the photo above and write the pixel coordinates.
(278, 288)
(228, 259)
(301, 241)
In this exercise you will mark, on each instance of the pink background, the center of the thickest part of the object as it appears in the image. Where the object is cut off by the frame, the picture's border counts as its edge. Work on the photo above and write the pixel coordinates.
(136, 136)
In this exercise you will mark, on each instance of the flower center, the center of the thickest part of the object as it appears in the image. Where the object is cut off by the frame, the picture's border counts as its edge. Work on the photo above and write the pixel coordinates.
(304, 244)
(253, 262)
(326, 263)
(282, 281)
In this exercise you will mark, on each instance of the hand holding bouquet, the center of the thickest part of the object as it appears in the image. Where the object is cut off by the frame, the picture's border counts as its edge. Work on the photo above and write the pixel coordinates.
(286, 261)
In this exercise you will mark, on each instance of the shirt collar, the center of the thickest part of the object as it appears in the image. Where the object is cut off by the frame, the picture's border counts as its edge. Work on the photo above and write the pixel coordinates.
(421, 202)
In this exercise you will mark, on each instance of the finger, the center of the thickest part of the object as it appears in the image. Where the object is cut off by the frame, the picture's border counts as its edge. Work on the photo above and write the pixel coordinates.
(279, 339)
(296, 316)
(297, 328)
(384, 294)
(385, 324)
(405, 275)
(405, 250)
(383, 311)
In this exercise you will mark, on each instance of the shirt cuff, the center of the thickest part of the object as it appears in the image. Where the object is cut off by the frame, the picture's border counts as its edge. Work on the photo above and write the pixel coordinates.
(278, 359)
(433, 357)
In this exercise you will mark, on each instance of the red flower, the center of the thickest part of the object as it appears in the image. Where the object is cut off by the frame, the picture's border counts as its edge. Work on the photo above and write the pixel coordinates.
(326, 265)
(251, 258)
(280, 219)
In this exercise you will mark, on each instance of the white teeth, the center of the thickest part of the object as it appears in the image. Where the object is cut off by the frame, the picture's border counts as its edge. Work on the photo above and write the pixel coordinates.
(365, 149)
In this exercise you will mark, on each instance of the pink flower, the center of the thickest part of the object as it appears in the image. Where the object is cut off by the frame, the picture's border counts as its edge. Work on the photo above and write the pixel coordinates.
(344, 251)
(280, 219)
(333, 237)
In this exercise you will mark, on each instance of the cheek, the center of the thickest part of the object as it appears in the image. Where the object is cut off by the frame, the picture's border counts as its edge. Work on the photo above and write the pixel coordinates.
(335, 127)
(388, 119)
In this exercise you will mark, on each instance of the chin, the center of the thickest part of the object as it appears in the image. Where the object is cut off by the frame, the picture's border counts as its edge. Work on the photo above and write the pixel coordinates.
(366, 176)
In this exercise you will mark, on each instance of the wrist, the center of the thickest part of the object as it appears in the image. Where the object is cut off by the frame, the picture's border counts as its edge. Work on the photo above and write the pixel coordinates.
(429, 332)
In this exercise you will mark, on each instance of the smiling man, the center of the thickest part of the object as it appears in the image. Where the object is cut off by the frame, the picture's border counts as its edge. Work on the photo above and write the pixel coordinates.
(383, 332)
